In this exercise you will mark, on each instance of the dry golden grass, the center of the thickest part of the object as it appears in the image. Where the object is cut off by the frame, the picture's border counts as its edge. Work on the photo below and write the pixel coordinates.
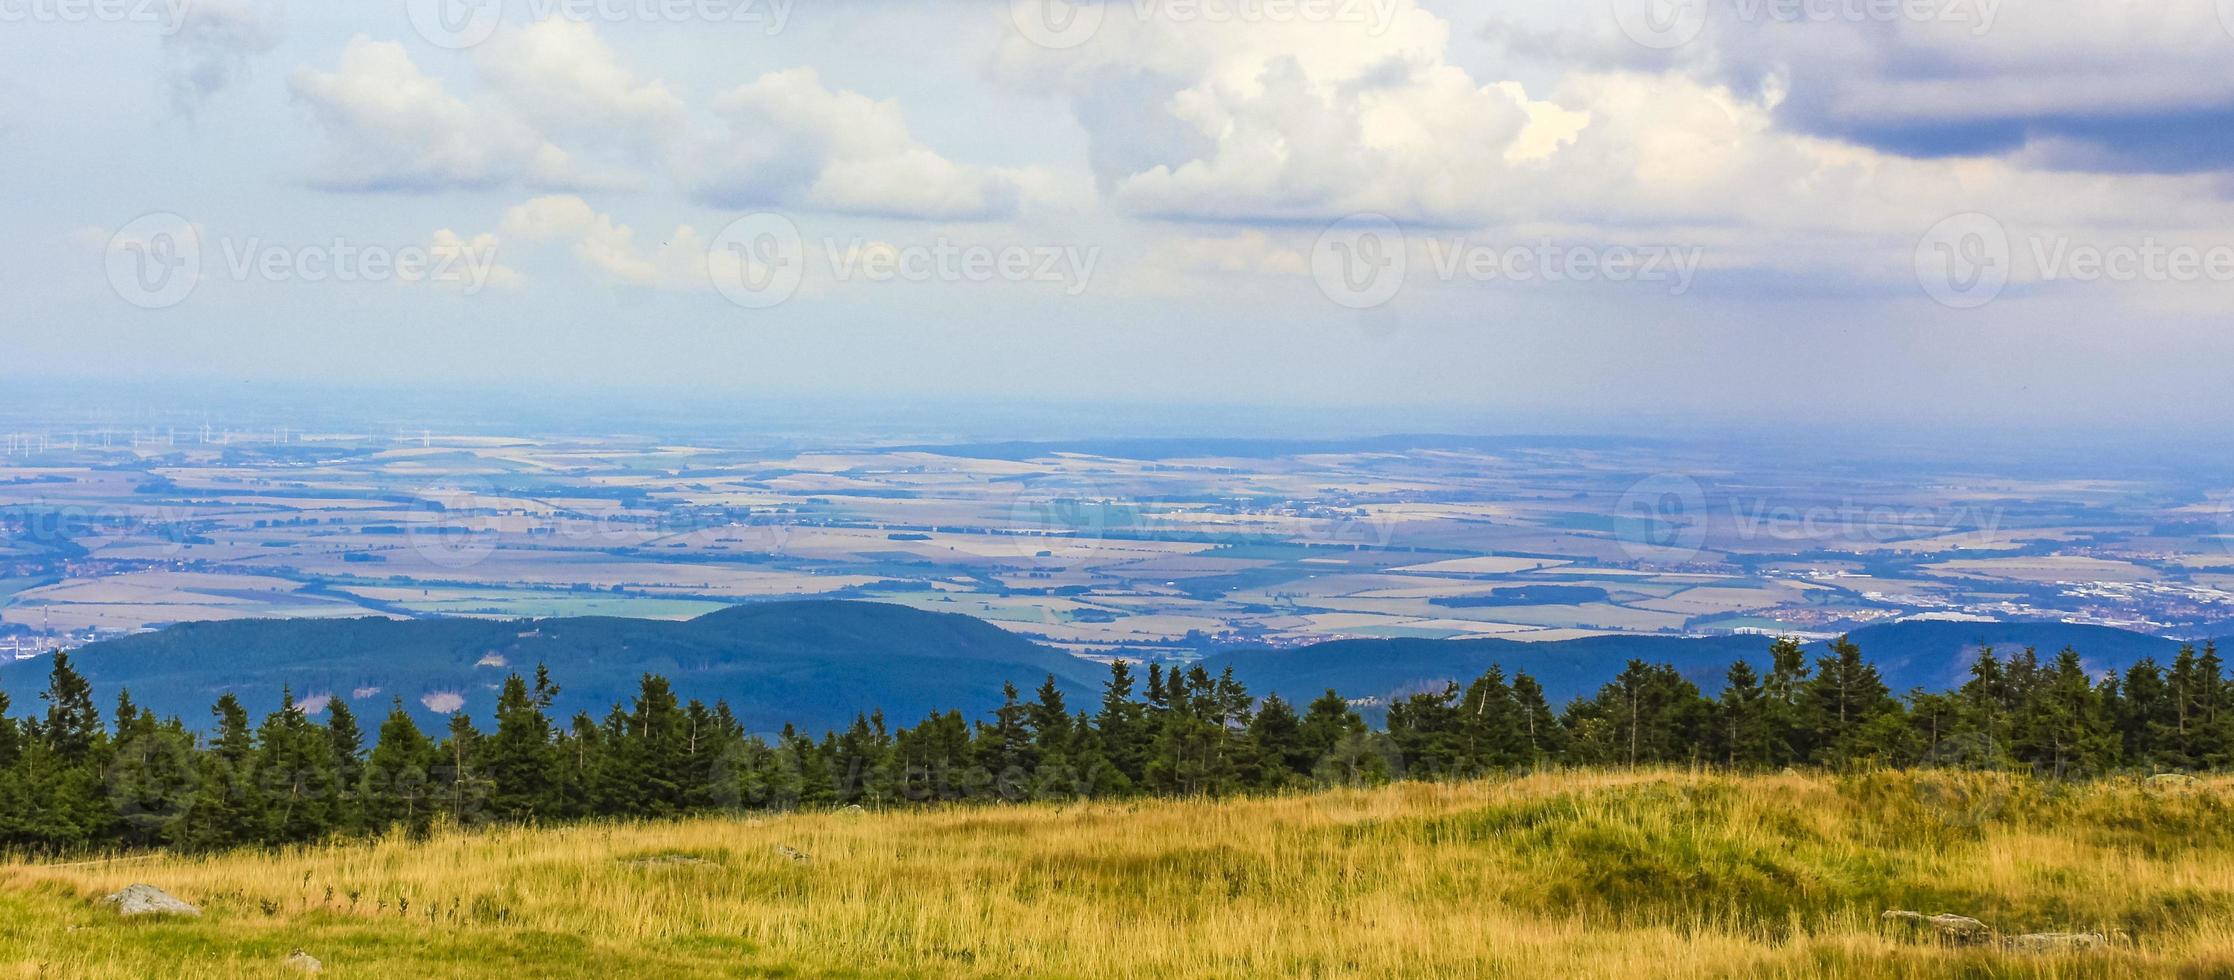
(1661, 874)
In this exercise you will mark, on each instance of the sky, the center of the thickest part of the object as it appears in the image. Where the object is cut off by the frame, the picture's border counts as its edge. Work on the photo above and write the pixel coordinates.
(1914, 214)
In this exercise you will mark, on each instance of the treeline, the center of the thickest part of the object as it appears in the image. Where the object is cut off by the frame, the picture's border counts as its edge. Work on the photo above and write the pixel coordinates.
(70, 780)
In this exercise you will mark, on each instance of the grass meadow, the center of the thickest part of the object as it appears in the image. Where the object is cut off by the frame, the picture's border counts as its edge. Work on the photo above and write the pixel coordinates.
(1572, 874)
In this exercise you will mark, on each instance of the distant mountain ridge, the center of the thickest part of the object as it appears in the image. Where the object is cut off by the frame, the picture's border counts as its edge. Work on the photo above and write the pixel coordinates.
(812, 662)
(1928, 654)
(816, 663)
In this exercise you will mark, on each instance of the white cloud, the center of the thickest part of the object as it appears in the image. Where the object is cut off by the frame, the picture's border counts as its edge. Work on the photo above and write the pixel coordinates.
(560, 75)
(791, 141)
(597, 241)
(391, 127)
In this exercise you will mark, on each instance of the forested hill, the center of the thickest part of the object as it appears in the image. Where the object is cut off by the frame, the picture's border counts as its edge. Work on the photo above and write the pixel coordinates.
(1917, 654)
(817, 663)
(813, 663)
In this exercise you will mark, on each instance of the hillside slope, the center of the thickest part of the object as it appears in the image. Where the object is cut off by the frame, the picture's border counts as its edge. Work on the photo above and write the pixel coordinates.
(813, 663)
(1930, 655)
(1561, 874)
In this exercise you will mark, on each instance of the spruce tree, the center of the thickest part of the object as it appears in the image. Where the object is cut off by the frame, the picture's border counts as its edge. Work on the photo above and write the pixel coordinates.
(521, 758)
(1743, 721)
(1845, 694)
(1121, 725)
(346, 746)
(1277, 755)
(1538, 723)
(399, 776)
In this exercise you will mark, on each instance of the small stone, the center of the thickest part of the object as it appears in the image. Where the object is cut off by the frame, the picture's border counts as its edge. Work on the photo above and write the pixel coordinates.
(663, 860)
(148, 900)
(305, 962)
(2056, 942)
(1961, 930)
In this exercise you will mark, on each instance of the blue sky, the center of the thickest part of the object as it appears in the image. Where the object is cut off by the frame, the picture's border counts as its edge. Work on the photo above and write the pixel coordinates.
(1965, 211)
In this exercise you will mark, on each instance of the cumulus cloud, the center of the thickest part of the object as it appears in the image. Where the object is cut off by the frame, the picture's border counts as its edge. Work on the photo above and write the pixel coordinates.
(2111, 87)
(391, 127)
(599, 242)
(214, 43)
(556, 108)
(561, 76)
(1274, 124)
(790, 140)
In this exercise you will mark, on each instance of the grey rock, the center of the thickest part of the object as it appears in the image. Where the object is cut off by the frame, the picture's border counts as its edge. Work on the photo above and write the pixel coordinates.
(148, 900)
(305, 962)
(669, 860)
(1961, 930)
(2056, 942)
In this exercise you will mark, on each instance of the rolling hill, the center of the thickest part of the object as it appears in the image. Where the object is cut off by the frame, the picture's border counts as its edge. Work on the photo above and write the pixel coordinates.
(814, 663)
(1927, 654)
(817, 663)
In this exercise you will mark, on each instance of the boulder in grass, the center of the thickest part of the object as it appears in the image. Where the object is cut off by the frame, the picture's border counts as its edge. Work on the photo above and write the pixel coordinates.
(1961, 930)
(2056, 942)
(302, 961)
(148, 900)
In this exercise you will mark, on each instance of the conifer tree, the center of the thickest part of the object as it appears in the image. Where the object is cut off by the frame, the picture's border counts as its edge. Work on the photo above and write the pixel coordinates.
(521, 759)
(1122, 722)
(346, 745)
(1744, 723)
(1277, 755)
(1845, 694)
(1539, 725)
(399, 776)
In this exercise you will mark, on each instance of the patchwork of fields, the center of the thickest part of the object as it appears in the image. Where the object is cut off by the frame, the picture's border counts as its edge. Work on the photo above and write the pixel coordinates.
(1129, 550)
